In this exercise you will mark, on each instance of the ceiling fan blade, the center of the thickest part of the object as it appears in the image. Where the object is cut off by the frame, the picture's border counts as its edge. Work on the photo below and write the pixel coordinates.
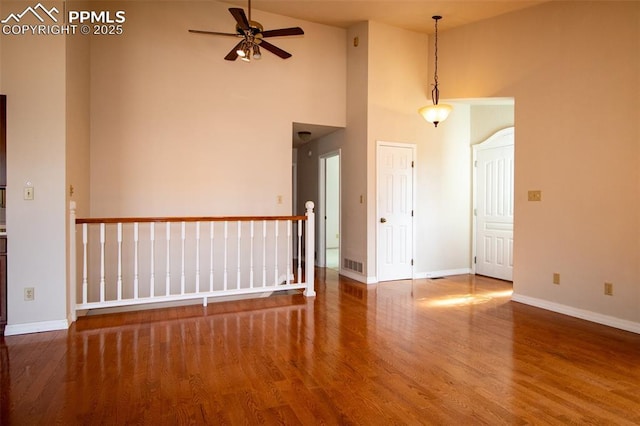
(283, 32)
(233, 55)
(275, 50)
(241, 18)
(215, 33)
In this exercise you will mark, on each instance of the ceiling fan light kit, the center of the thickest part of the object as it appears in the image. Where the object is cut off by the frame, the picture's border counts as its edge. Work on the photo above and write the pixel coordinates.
(437, 112)
(253, 36)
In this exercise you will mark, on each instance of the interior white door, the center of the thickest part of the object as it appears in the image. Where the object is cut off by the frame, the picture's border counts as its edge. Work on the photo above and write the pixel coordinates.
(395, 212)
(494, 206)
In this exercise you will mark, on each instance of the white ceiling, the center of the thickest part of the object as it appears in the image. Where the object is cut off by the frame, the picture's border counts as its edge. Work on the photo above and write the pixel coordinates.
(411, 15)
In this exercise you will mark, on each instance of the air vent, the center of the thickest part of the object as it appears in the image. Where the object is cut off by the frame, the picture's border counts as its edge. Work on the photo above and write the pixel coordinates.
(352, 265)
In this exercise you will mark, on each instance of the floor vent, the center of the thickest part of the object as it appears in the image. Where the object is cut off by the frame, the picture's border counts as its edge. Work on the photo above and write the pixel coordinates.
(352, 264)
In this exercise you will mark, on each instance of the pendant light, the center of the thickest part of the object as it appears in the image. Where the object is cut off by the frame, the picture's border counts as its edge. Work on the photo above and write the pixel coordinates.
(437, 112)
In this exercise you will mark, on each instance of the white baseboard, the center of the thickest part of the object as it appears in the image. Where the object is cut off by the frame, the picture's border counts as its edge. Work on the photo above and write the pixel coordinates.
(35, 327)
(443, 273)
(358, 277)
(418, 275)
(607, 320)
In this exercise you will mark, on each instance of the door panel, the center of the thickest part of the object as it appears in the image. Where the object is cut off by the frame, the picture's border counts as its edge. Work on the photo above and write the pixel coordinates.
(395, 209)
(494, 210)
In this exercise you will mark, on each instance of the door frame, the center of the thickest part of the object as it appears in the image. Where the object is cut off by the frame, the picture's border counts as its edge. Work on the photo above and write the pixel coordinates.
(496, 140)
(322, 206)
(413, 148)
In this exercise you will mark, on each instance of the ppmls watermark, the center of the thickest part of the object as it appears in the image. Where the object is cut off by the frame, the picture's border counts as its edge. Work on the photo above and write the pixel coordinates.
(102, 22)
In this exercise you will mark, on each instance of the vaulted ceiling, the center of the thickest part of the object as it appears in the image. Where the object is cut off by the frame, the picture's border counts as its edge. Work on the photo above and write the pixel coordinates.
(412, 15)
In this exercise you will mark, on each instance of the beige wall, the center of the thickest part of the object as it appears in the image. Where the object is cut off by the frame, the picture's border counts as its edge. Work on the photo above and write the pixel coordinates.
(177, 130)
(398, 86)
(354, 149)
(488, 119)
(577, 99)
(33, 78)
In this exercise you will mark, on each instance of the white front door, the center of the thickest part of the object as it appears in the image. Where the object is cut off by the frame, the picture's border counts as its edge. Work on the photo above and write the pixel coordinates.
(395, 211)
(494, 162)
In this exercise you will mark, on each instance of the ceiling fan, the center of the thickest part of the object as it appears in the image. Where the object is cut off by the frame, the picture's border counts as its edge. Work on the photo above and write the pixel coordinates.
(253, 37)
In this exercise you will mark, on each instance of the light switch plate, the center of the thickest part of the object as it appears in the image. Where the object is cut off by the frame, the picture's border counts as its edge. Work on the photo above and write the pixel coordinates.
(28, 193)
(535, 195)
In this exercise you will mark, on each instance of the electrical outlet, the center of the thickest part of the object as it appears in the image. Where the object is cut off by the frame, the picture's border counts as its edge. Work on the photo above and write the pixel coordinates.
(556, 278)
(608, 289)
(29, 294)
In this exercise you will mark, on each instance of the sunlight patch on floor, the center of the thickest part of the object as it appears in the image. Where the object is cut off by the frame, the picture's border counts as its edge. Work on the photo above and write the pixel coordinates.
(466, 299)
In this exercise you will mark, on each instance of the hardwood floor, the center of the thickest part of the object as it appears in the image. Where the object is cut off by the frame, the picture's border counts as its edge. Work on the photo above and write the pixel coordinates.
(446, 351)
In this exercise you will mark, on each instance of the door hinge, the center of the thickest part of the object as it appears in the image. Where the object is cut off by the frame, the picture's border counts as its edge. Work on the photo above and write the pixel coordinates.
(411, 163)
(411, 213)
(475, 163)
(411, 262)
(475, 212)
(474, 260)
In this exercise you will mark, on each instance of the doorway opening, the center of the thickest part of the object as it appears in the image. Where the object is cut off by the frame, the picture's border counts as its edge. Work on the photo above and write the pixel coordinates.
(329, 210)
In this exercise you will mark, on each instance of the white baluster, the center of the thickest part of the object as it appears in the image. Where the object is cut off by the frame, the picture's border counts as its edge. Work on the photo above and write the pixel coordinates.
(251, 257)
(211, 227)
(119, 281)
(289, 242)
(238, 254)
(197, 257)
(299, 252)
(183, 237)
(152, 275)
(309, 247)
(275, 254)
(168, 278)
(102, 281)
(264, 253)
(226, 240)
(135, 261)
(85, 266)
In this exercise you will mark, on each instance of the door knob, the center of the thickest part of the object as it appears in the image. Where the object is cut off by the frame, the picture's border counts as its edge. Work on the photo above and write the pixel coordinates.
(383, 220)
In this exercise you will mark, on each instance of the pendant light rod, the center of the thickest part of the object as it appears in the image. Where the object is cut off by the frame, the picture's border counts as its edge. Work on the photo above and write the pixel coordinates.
(435, 92)
(436, 112)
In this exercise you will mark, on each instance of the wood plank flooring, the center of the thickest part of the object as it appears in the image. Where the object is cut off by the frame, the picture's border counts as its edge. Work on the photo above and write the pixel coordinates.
(447, 351)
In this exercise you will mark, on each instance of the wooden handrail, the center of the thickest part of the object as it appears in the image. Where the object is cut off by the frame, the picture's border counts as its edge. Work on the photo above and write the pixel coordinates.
(186, 219)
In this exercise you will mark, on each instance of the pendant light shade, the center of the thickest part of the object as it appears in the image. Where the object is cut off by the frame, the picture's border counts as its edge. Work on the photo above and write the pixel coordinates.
(437, 112)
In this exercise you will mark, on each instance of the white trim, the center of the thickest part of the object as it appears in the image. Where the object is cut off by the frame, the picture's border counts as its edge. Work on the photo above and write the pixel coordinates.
(72, 274)
(443, 273)
(321, 260)
(607, 320)
(414, 156)
(358, 277)
(36, 327)
(294, 184)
